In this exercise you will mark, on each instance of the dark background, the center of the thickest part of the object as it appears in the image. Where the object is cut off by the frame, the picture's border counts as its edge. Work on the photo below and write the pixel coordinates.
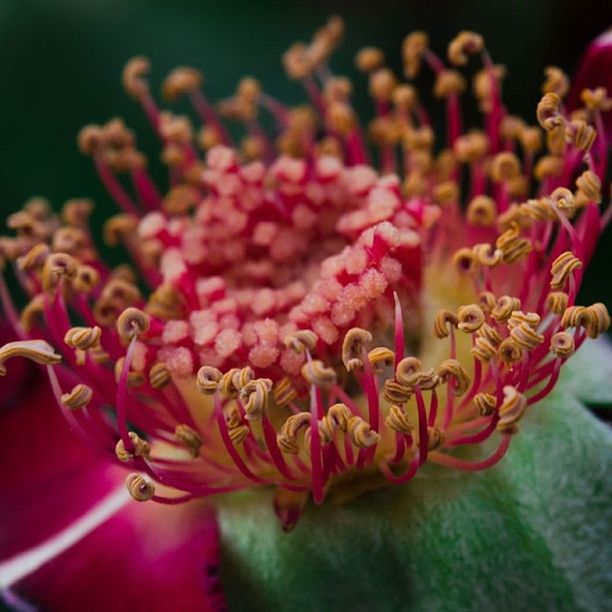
(60, 65)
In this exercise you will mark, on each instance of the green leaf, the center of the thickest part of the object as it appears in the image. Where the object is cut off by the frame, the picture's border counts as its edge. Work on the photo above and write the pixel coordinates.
(533, 533)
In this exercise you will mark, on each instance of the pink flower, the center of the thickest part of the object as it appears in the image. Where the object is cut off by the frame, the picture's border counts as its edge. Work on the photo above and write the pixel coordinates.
(312, 321)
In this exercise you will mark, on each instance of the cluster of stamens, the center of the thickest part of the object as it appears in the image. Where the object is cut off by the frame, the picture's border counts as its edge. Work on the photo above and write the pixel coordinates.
(289, 282)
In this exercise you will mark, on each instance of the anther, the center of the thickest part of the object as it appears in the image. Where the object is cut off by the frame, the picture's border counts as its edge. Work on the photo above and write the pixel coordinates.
(85, 279)
(382, 84)
(90, 139)
(140, 488)
(447, 83)
(464, 44)
(189, 438)
(398, 420)
(505, 167)
(486, 403)
(134, 378)
(509, 352)
(557, 301)
(525, 336)
(451, 369)
(208, 379)
(408, 371)
(445, 319)
(159, 375)
(132, 322)
(511, 411)
(465, 259)
(32, 311)
(79, 397)
(315, 373)
(284, 392)
(548, 112)
(180, 81)
(303, 339)
(532, 319)
(395, 392)
(242, 377)
(470, 318)
(361, 433)
(413, 48)
(255, 396)
(486, 256)
(381, 357)
(56, 267)
(596, 99)
(580, 134)
(36, 350)
(369, 59)
(574, 316)
(589, 185)
(481, 211)
(435, 438)
(556, 82)
(563, 199)
(598, 320)
(134, 77)
(486, 300)
(562, 267)
(83, 338)
(287, 436)
(352, 347)
(504, 308)
(562, 344)
(141, 448)
(119, 227)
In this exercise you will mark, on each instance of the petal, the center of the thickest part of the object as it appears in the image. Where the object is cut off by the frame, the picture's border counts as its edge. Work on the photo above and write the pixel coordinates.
(533, 531)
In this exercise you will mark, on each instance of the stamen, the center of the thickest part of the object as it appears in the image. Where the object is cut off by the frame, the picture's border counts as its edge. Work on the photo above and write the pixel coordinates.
(36, 350)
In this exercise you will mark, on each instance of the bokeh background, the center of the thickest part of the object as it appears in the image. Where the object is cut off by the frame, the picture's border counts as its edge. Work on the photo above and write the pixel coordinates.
(60, 65)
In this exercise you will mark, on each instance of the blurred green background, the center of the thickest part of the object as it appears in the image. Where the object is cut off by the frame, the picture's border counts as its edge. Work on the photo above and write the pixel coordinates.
(60, 65)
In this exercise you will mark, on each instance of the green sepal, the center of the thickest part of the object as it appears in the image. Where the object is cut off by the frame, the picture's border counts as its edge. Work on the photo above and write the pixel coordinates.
(532, 533)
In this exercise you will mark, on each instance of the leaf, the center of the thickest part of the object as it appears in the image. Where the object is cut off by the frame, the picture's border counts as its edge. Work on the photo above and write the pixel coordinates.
(531, 533)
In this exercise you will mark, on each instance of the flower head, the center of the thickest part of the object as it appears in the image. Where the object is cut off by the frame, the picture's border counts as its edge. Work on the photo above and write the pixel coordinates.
(298, 315)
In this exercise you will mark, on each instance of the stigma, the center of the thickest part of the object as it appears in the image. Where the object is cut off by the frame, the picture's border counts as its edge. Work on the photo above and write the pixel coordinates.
(296, 315)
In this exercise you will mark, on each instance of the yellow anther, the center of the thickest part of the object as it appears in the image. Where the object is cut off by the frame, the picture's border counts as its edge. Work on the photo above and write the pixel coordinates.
(34, 258)
(120, 292)
(340, 117)
(315, 373)
(381, 357)
(337, 418)
(287, 437)
(509, 352)
(36, 350)
(159, 375)
(226, 385)
(165, 303)
(525, 336)
(353, 347)
(482, 211)
(452, 370)
(511, 411)
(255, 397)
(181, 200)
(140, 488)
(530, 138)
(504, 308)
(419, 139)
(486, 403)
(596, 99)
(242, 377)
(398, 420)
(562, 344)
(83, 338)
(470, 317)
(505, 167)
(445, 319)
(361, 433)
(482, 86)
(435, 438)
(510, 127)
(589, 185)
(382, 84)
(489, 333)
(190, 438)
(548, 113)
(208, 379)
(404, 97)
(395, 392)
(447, 83)
(532, 319)
(132, 322)
(556, 82)
(413, 48)
(486, 300)
(85, 279)
(238, 434)
(79, 397)
(284, 392)
(485, 255)
(408, 371)
(580, 134)
(574, 316)
(556, 302)
(303, 339)
(471, 147)
(539, 210)
(465, 260)
(134, 77)
(597, 320)
(486, 343)
(562, 268)
(141, 448)
(58, 266)
(464, 44)
(32, 311)
(180, 81)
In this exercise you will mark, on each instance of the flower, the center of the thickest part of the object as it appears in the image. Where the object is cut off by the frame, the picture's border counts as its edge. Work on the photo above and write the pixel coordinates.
(313, 321)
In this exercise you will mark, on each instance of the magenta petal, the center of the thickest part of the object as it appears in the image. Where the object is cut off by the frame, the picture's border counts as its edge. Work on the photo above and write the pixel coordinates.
(595, 70)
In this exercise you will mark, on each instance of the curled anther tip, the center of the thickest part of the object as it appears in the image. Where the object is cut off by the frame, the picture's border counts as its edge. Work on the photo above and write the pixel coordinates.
(141, 448)
(119, 227)
(596, 99)
(382, 84)
(548, 112)
(353, 346)
(511, 410)
(38, 351)
(58, 266)
(381, 357)
(369, 59)
(398, 420)
(589, 185)
(557, 302)
(464, 44)
(482, 211)
(580, 134)
(452, 370)
(557, 82)
(562, 344)
(255, 396)
(238, 434)
(85, 279)
(284, 392)
(242, 377)
(395, 392)
(448, 83)
(562, 268)
(509, 351)
(159, 375)
(465, 260)
(414, 47)
(79, 397)
(91, 138)
(525, 336)
(134, 77)
(597, 320)
(301, 340)
(445, 319)
(34, 258)
(131, 323)
(470, 318)
(486, 403)
(83, 338)
(505, 167)
(208, 379)
(316, 373)
(139, 487)
(504, 308)
(563, 199)
(435, 438)
(486, 301)
(181, 80)
(361, 433)
(408, 371)
(190, 438)
(287, 437)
